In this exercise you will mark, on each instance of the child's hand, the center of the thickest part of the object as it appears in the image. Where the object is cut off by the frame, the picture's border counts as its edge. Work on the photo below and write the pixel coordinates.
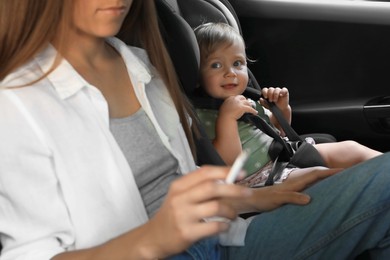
(236, 106)
(280, 96)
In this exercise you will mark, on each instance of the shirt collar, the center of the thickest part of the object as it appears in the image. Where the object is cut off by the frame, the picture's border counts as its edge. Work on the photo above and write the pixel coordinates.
(65, 79)
(137, 69)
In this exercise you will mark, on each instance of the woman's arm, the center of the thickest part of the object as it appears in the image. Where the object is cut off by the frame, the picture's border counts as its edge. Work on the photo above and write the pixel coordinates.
(191, 199)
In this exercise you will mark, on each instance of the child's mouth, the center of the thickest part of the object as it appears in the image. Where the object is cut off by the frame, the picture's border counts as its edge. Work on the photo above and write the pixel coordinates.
(229, 86)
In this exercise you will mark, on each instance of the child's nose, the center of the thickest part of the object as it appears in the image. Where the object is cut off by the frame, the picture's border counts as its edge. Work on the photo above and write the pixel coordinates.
(230, 72)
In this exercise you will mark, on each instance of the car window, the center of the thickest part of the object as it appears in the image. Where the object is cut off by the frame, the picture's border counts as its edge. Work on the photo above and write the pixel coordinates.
(356, 11)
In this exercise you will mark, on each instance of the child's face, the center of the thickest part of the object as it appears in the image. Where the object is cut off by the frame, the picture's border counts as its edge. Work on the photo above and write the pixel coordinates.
(224, 72)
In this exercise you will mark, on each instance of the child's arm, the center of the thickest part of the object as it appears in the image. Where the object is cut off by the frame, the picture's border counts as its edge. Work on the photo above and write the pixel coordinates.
(280, 96)
(227, 140)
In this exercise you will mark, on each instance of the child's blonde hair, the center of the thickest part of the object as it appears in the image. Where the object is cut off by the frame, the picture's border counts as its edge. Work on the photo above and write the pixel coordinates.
(212, 36)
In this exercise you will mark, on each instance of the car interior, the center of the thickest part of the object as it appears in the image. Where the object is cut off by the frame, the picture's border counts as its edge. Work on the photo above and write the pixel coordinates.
(333, 64)
(333, 56)
(184, 51)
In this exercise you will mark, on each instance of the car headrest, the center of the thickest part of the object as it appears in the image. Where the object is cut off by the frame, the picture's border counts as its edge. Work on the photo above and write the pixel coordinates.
(197, 12)
(181, 44)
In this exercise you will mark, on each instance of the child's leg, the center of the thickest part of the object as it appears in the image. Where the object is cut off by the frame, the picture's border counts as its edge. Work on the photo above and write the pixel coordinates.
(298, 172)
(349, 213)
(345, 154)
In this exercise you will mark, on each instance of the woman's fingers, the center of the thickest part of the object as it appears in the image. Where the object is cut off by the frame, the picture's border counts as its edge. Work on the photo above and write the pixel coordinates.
(198, 196)
(206, 183)
(202, 174)
(207, 191)
(215, 208)
(272, 197)
(213, 190)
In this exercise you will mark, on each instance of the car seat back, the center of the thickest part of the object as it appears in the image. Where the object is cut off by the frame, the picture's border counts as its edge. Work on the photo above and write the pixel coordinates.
(183, 48)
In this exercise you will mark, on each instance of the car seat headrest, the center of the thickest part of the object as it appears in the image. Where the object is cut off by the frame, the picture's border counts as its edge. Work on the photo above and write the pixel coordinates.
(197, 12)
(173, 5)
(181, 44)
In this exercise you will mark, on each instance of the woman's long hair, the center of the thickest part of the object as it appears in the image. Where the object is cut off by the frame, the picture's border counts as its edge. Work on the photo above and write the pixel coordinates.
(143, 18)
(28, 26)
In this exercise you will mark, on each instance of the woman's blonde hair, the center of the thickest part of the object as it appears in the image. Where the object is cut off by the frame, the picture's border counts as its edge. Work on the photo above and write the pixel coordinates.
(28, 26)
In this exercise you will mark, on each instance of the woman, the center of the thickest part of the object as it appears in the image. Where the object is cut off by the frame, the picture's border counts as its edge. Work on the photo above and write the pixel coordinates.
(78, 107)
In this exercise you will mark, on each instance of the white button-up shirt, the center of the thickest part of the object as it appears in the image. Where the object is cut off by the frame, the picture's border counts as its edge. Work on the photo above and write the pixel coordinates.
(64, 182)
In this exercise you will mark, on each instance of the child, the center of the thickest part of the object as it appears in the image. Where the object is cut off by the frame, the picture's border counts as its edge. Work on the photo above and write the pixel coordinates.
(223, 70)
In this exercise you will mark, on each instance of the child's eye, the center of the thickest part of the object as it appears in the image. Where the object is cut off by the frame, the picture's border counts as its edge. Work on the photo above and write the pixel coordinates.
(238, 63)
(216, 65)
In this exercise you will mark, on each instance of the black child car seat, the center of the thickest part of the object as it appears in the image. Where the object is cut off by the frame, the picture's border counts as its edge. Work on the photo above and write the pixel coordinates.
(177, 19)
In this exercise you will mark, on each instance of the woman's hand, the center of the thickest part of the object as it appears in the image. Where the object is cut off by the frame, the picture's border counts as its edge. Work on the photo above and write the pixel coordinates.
(191, 199)
(272, 197)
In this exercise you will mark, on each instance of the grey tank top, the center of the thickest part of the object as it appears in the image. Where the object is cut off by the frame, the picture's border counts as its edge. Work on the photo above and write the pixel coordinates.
(153, 166)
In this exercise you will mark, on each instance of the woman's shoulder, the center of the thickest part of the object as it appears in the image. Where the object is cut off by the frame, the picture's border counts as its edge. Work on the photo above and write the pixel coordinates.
(32, 70)
(21, 76)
